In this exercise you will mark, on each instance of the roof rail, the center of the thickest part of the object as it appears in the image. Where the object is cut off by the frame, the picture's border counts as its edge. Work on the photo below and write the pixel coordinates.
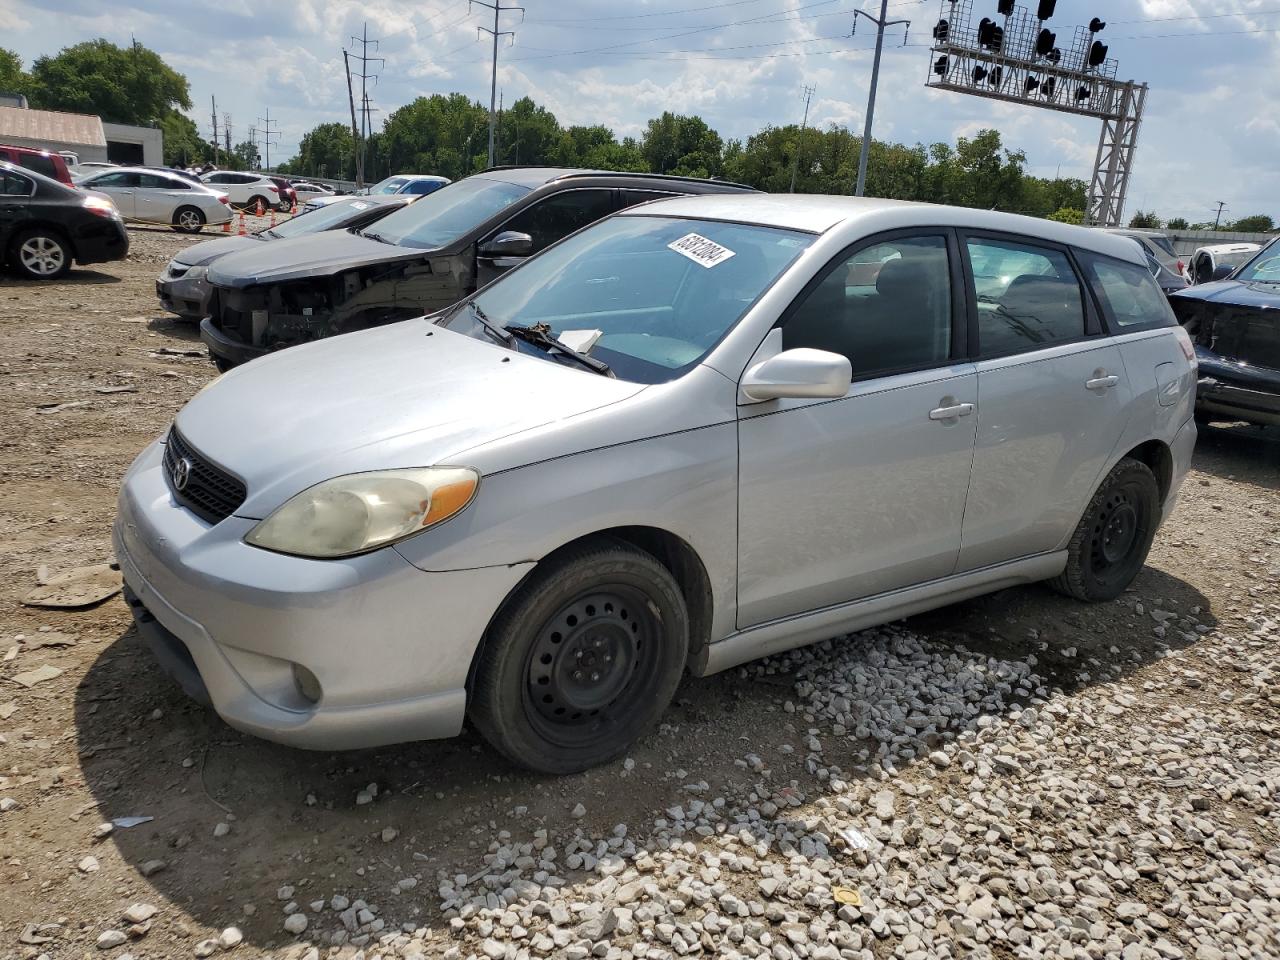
(572, 172)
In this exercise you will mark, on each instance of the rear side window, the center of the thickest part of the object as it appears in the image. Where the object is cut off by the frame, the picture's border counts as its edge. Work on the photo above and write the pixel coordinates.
(631, 197)
(39, 163)
(559, 215)
(15, 185)
(1028, 296)
(1163, 243)
(1130, 297)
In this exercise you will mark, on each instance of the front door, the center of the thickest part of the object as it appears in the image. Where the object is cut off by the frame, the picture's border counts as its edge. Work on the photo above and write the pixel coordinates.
(120, 188)
(1052, 399)
(547, 221)
(848, 498)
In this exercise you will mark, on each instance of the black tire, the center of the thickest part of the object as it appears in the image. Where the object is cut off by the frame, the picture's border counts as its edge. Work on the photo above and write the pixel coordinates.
(284, 206)
(255, 200)
(582, 660)
(222, 363)
(188, 220)
(41, 254)
(1111, 543)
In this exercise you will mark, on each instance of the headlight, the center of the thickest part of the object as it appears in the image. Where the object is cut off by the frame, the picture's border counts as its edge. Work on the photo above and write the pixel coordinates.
(196, 273)
(364, 511)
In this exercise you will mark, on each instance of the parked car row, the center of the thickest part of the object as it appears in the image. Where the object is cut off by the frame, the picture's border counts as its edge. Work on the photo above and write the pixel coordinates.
(630, 439)
(149, 195)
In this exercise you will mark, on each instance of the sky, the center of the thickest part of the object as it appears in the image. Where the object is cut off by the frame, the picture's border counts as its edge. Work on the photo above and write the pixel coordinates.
(1211, 132)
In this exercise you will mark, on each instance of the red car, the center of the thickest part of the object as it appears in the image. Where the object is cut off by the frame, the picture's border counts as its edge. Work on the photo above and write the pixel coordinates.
(52, 165)
(288, 195)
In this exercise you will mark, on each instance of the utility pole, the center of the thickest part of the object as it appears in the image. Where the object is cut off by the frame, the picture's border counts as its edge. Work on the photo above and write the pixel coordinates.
(358, 172)
(498, 139)
(267, 134)
(498, 9)
(880, 23)
(364, 75)
(214, 102)
(226, 132)
(1218, 219)
(367, 112)
(795, 161)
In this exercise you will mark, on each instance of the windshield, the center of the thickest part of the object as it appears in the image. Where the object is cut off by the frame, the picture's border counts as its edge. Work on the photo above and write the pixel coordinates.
(389, 185)
(650, 296)
(1265, 266)
(1233, 260)
(454, 210)
(321, 218)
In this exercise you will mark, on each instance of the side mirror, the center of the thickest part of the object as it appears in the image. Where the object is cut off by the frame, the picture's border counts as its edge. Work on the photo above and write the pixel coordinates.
(802, 373)
(509, 243)
(1222, 271)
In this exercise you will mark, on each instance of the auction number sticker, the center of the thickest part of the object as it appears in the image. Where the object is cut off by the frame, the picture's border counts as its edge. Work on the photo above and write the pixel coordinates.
(700, 250)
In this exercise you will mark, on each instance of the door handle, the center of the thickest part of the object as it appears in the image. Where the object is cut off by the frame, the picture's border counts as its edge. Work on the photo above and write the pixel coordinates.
(1102, 383)
(952, 412)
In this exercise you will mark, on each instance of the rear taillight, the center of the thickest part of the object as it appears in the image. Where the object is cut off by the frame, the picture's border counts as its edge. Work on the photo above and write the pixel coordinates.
(224, 199)
(1182, 267)
(274, 189)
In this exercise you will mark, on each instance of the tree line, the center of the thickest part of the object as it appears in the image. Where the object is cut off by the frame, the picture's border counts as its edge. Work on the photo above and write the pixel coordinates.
(1255, 223)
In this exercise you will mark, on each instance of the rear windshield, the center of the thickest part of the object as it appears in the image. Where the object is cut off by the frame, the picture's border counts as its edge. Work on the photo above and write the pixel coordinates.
(449, 213)
(390, 185)
(1161, 241)
(40, 163)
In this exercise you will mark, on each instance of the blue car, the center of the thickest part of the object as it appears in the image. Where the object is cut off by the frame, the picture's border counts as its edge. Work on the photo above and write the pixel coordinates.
(1235, 323)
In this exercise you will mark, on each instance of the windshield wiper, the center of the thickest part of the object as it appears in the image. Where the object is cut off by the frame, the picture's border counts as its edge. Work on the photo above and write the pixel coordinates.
(495, 331)
(377, 236)
(540, 336)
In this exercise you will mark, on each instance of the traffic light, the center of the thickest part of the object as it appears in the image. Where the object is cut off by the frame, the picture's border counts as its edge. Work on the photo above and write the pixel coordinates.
(979, 74)
(1054, 55)
(1005, 8)
(1096, 25)
(940, 66)
(941, 30)
(997, 75)
(1032, 84)
(1046, 8)
(1084, 93)
(990, 36)
(1097, 53)
(1048, 87)
(1045, 41)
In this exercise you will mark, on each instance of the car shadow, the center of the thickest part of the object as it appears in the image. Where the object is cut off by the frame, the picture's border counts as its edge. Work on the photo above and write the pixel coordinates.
(76, 277)
(296, 818)
(170, 326)
(1241, 452)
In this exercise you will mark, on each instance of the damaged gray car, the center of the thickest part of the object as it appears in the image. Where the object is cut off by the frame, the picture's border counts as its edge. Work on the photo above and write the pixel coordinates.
(415, 261)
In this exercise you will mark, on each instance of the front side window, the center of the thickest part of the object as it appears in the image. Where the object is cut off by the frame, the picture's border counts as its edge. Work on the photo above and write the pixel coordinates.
(886, 307)
(113, 180)
(651, 295)
(1130, 295)
(558, 216)
(1028, 296)
(450, 213)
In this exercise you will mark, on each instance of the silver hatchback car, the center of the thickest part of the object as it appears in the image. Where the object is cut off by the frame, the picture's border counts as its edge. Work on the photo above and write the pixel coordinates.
(698, 432)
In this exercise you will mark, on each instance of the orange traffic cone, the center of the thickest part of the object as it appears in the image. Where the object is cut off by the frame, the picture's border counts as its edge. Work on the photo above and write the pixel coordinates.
(273, 216)
(293, 208)
(226, 226)
(242, 232)
(258, 211)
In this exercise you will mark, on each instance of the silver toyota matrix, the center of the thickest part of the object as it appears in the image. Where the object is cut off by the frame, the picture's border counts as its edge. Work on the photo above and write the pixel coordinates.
(698, 432)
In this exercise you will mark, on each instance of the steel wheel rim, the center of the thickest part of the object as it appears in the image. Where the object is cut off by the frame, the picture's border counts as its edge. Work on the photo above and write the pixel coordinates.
(1117, 532)
(42, 255)
(588, 661)
(189, 220)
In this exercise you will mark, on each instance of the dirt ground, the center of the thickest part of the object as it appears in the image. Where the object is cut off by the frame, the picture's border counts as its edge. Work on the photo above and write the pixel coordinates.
(111, 737)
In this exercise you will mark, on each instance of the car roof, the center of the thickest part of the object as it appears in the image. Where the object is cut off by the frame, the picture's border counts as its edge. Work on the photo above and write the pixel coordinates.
(33, 175)
(819, 214)
(1229, 247)
(539, 176)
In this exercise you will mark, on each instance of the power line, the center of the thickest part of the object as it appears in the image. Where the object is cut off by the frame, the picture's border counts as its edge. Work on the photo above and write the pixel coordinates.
(498, 10)
(659, 13)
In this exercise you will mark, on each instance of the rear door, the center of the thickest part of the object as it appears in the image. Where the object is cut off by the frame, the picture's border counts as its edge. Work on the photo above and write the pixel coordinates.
(1052, 398)
(15, 204)
(156, 197)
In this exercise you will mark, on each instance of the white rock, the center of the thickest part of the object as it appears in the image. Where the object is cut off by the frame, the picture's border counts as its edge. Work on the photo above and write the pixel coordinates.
(88, 865)
(140, 913)
(110, 939)
(230, 938)
(296, 923)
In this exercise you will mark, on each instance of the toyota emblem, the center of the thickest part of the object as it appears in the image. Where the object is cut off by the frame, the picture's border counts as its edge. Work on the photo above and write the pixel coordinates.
(181, 474)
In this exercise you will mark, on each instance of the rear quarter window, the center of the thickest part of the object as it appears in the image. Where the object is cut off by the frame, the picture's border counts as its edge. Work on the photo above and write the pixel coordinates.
(1130, 298)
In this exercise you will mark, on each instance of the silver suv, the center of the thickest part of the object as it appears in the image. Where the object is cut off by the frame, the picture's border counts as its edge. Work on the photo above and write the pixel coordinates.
(700, 431)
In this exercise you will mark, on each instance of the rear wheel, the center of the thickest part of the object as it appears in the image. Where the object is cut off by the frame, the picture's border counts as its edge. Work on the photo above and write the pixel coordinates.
(41, 254)
(188, 220)
(1111, 543)
(583, 659)
(284, 206)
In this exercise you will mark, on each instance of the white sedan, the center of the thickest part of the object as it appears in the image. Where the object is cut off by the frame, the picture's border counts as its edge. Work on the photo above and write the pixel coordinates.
(154, 196)
(307, 190)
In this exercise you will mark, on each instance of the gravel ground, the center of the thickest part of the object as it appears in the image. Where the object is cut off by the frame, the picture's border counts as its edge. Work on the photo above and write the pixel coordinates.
(1016, 776)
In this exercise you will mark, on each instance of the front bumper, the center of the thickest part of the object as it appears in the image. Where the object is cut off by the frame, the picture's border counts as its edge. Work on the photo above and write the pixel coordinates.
(389, 644)
(227, 348)
(186, 298)
(100, 240)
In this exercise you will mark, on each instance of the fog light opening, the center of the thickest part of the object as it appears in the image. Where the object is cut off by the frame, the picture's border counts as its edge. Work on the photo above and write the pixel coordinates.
(307, 684)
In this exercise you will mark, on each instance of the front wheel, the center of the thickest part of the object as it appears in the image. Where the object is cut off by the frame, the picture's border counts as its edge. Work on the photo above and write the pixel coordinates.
(284, 206)
(259, 203)
(188, 220)
(41, 254)
(1111, 543)
(583, 659)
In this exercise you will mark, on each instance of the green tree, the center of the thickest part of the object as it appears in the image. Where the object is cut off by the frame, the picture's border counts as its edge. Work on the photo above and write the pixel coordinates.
(12, 77)
(244, 156)
(530, 134)
(1145, 220)
(446, 135)
(1177, 223)
(1258, 223)
(1067, 215)
(325, 151)
(120, 85)
(682, 145)
(183, 145)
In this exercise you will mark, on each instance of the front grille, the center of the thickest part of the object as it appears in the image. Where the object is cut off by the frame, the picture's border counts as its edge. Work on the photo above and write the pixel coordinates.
(210, 492)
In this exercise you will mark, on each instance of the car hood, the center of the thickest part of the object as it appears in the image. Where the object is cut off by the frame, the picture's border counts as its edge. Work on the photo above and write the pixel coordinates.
(404, 395)
(200, 254)
(317, 254)
(1238, 292)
